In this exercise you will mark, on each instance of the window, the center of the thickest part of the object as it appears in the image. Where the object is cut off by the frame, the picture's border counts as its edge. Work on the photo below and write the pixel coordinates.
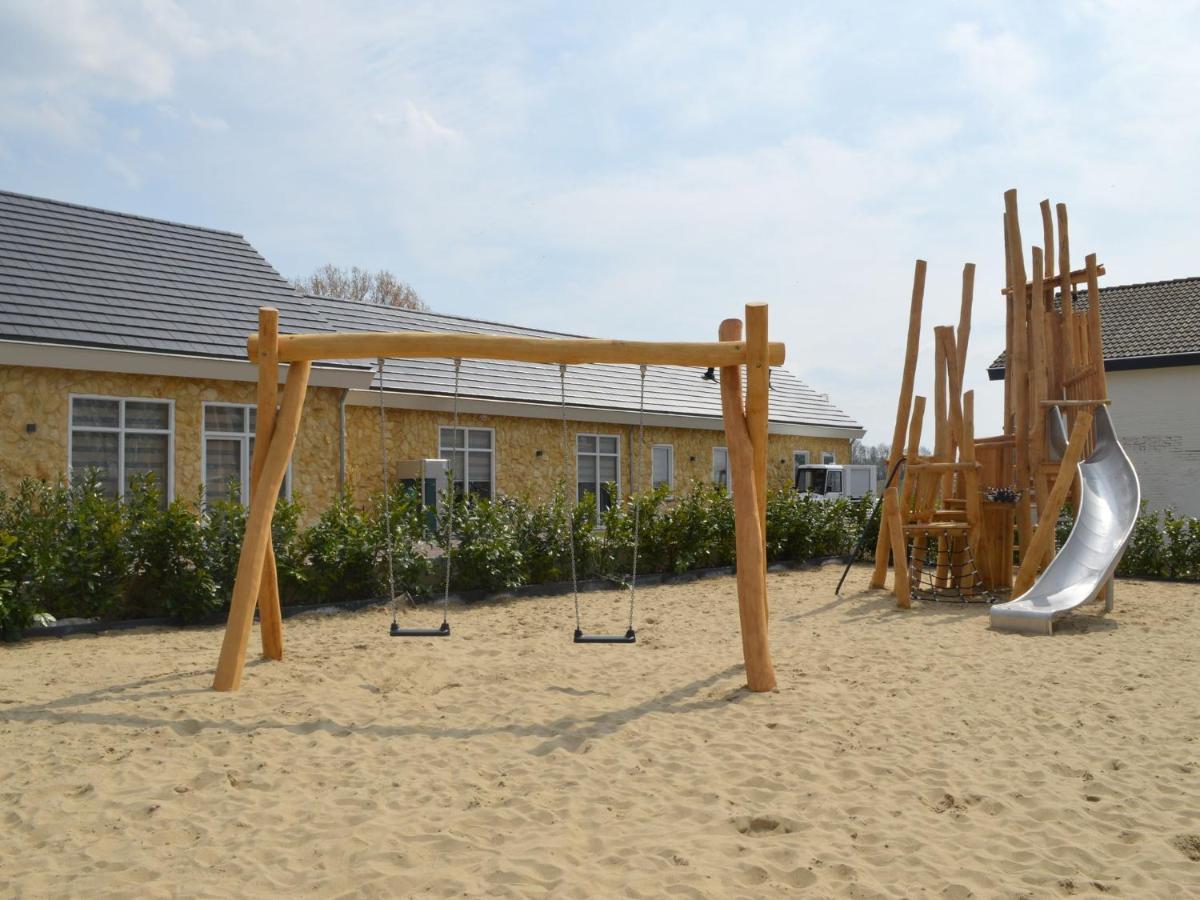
(597, 467)
(720, 468)
(470, 452)
(833, 482)
(122, 439)
(228, 450)
(662, 466)
(827, 458)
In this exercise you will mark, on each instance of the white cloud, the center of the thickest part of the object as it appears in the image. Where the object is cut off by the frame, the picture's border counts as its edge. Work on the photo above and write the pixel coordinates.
(208, 123)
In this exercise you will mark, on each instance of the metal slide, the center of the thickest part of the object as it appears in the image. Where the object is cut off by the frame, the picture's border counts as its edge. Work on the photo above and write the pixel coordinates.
(1108, 509)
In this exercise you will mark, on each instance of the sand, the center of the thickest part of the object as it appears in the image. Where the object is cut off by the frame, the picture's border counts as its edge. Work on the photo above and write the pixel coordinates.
(903, 755)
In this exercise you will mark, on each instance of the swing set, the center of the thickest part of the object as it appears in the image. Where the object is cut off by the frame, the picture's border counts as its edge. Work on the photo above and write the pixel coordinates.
(744, 414)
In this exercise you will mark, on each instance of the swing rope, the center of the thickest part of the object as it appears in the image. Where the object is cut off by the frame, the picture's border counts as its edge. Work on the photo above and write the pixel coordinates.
(453, 498)
(637, 503)
(562, 390)
(396, 631)
(630, 635)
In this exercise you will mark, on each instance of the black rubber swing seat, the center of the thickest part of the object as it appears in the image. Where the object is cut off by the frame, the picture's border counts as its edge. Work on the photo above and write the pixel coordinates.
(629, 637)
(442, 630)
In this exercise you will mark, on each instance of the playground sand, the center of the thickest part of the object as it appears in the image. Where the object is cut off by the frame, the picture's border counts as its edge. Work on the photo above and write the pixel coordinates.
(904, 754)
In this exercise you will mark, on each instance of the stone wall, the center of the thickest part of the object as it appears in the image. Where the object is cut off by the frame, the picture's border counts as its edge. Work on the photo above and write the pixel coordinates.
(528, 460)
(41, 398)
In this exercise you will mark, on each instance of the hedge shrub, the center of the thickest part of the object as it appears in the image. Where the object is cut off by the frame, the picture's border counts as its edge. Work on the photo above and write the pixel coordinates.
(70, 551)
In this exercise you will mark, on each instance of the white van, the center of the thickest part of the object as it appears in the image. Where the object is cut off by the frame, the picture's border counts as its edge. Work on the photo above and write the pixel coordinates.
(832, 482)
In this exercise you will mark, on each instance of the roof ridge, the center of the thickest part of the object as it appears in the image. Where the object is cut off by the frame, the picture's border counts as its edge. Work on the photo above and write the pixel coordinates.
(124, 215)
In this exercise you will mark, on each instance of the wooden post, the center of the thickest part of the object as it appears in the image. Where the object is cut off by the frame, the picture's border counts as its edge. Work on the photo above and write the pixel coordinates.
(270, 616)
(258, 530)
(891, 514)
(758, 382)
(1017, 362)
(903, 407)
(1095, 338)
(1070, 361)
(1008, 330)
(970, 476)
(964, 319)
(750, 549)
(914, 450)
(1043, 538)
(1038, 385)
(1048, 237)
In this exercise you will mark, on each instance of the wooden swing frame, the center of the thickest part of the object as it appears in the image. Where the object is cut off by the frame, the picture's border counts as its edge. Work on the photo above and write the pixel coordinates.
(275, 438)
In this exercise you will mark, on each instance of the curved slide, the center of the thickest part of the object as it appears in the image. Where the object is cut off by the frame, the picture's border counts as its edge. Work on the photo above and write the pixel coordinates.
(1108, 508)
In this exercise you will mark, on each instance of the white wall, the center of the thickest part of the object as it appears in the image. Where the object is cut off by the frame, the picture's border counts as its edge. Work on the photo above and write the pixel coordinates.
(1156, 413)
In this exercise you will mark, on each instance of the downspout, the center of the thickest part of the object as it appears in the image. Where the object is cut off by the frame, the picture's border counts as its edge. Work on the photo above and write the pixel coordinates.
(341, 481)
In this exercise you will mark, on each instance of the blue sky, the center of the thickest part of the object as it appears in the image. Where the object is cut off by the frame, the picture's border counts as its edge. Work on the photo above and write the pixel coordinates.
(633, 170)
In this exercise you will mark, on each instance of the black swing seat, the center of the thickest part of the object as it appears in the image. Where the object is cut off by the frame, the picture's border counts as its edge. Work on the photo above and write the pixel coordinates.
(629, 637)
(442, 630)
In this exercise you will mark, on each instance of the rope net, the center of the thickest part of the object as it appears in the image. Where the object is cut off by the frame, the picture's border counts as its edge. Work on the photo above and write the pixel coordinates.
(941, 569)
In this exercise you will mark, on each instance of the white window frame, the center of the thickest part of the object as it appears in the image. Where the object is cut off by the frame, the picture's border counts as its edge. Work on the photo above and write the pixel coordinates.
(467, 450)
(715, 480)
(120, 430)
(670, 448)
(597, 454)
(800, 458)
(828, 458)
(247, 457)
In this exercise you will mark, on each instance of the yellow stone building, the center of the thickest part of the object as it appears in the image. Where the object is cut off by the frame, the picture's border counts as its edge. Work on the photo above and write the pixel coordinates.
(122, 349)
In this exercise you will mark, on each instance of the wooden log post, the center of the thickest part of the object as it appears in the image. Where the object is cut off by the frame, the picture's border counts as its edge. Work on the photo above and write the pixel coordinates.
(750, 548)
(943, 450)
(1008, 329)
(758, 382)
(903, 407)
(908, 497)
(270, 615)
(1095, 337)
(1070, 360)
(258, 530)
(1018, 363)
(899, 542)
(970, 480)
(950, 486)
(963, 335)
(1039, 388)
(1043, 538)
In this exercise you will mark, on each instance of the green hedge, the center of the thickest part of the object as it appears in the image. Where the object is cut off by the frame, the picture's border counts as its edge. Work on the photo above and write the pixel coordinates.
(69, 551)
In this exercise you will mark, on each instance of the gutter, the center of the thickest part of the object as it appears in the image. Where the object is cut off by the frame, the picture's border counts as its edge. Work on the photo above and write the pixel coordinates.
(171, 365)
(1129, 363)
(609, 416)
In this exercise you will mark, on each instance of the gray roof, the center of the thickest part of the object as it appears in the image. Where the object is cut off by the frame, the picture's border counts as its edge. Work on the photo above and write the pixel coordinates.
(1143, 325)
(669, 389)
(78, 276)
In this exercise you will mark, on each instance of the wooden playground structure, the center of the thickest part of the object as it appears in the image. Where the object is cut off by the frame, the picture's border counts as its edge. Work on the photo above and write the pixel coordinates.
(745, 422)
(964, 514)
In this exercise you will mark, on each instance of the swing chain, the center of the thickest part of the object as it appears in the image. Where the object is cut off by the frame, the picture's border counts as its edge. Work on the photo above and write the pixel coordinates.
(387, 500)
(570, 507)
(453, 496)
(637, 504)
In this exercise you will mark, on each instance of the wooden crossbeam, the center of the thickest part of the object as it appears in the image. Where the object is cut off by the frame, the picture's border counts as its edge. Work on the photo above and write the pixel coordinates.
(561, 351)
(1078, 276)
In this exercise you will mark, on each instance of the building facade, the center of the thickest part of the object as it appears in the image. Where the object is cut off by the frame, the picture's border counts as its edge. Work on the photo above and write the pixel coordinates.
(122, 350)
(1151, 335)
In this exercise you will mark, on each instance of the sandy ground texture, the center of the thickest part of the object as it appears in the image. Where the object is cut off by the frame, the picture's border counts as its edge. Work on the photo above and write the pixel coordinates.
(903, 755)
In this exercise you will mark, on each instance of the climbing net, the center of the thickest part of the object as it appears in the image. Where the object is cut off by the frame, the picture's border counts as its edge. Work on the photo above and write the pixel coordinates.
(941, 568)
